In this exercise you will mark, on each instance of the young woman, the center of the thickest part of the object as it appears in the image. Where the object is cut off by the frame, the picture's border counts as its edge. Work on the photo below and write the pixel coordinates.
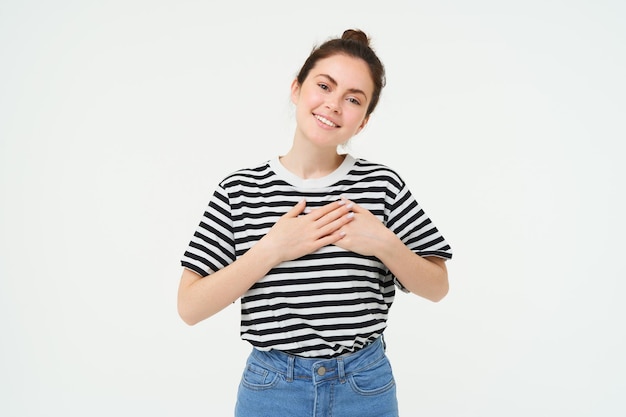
(314, 243)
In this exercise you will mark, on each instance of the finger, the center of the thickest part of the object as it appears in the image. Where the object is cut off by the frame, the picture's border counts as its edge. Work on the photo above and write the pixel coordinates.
(320, 212)
(296, 210)
(353, 206)
(335, 225)
(342, 214)
(331, 238)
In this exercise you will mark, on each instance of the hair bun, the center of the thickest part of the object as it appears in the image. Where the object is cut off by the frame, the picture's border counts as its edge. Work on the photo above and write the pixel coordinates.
(356, 35)
(353, 43)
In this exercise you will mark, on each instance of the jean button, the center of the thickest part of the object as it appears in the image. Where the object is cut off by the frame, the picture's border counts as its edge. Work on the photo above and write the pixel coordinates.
(321, 371)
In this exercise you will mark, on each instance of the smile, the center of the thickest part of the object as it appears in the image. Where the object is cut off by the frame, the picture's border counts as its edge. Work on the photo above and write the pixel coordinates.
(325, 120)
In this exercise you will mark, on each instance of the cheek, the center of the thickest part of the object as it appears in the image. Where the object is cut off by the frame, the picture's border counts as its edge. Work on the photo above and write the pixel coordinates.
(309, 103)
(357, 119)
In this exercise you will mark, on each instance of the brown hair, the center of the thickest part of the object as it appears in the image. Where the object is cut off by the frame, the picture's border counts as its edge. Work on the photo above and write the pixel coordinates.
(354, 43)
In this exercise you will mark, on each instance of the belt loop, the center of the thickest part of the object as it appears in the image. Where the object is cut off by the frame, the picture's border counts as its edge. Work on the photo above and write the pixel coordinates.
(341, 370)
(290, 367)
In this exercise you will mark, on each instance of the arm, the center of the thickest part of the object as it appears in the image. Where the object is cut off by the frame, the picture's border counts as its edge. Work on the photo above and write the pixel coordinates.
(200, 298)
(424, 276)
(291, 237)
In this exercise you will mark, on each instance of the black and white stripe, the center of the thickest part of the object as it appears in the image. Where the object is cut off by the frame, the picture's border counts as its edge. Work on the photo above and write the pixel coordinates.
(326, 303)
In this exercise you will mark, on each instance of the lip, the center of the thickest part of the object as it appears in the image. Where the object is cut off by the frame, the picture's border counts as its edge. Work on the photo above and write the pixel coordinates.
(330, 119)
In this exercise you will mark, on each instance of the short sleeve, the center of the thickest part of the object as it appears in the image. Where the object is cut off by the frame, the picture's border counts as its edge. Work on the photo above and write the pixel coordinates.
(212, 246)
(411, 224)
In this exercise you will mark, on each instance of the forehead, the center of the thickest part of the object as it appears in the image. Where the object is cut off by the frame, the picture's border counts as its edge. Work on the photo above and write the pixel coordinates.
(347, 71)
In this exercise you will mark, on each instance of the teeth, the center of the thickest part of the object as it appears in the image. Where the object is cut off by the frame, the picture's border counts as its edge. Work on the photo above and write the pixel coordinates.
(325, 121)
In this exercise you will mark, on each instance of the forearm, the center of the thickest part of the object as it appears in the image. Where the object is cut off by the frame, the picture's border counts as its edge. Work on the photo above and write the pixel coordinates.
(200, 298)
(424, 276)
(292, 237)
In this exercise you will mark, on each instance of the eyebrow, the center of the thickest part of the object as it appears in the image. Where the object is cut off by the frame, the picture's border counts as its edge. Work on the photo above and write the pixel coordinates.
(351, 90)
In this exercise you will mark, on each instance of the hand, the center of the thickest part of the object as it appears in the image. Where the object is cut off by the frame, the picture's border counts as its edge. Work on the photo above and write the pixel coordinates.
(365, 234)
(297, 234)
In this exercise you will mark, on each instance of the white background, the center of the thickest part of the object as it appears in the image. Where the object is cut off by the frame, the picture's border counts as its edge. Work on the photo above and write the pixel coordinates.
(118, 118)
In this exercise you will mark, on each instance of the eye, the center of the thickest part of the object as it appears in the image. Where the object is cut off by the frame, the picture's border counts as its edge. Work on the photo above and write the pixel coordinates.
(323, 86)
(354, 101)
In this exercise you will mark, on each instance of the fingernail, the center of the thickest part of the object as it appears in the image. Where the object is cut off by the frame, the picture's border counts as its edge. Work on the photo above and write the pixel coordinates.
(350, 215)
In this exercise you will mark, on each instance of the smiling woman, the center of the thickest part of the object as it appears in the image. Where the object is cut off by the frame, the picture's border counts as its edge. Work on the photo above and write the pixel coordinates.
(315, 243)
(330, 109)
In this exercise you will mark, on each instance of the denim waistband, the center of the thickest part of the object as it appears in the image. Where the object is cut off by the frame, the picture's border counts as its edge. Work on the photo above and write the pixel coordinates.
(321, 370)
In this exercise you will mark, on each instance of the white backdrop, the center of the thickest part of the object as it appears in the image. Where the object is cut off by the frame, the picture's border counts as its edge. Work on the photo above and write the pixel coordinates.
(118, 118)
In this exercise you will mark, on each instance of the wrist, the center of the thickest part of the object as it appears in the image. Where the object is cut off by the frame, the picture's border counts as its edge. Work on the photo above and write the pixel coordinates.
(389, 245)
(264, 255)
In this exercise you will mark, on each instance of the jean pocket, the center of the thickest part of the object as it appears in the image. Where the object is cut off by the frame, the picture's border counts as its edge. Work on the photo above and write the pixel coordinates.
(373, 380)
(258, 378)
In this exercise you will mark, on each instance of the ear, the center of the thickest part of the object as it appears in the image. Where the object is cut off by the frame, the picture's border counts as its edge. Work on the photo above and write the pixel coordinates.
(363, 124)
(295, 91)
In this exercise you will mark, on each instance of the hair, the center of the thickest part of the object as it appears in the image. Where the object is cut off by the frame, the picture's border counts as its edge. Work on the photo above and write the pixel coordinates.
(354, 43)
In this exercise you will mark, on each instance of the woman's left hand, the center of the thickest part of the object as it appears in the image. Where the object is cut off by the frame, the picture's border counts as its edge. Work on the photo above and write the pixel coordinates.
(368, 236)
(365, 234)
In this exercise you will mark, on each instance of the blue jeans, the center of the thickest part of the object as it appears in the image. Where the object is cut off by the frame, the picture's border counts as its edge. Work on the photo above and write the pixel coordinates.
(276, 384)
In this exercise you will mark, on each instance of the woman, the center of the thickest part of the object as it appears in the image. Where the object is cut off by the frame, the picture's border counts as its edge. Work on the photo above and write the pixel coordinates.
(314, 243)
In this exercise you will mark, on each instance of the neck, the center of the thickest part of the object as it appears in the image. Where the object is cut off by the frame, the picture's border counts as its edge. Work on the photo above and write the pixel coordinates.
(311, 163)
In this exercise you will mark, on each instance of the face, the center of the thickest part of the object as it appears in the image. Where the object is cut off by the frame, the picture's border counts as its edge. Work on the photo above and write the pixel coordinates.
(331, 104)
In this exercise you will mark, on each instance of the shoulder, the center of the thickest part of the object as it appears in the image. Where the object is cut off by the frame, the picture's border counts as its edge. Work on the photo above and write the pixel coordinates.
(252, 173)
(376, 170)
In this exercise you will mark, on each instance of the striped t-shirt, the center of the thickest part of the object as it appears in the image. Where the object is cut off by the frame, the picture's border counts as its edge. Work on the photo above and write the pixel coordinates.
(329, 302)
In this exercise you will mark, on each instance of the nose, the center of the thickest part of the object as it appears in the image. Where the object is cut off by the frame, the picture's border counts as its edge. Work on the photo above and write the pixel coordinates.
(333, 104)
